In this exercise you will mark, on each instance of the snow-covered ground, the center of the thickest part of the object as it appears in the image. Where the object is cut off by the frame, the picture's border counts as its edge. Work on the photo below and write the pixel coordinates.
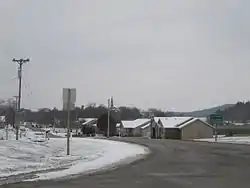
(223, 139)
(59, 134)
(48, 160)
(24, 134)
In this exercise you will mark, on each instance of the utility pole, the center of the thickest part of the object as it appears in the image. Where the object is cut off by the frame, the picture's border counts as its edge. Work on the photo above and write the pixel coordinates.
(68, 121)
(108, 117)
(14, 115)
(16, 102)
(20, 63)
(111, 108)
(77, 121)
(151, 116)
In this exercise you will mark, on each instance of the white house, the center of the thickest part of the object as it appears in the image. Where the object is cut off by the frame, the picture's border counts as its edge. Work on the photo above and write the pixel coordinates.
(133, 127)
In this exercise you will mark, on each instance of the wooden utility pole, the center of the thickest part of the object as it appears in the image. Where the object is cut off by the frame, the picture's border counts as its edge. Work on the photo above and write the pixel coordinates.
(68, 121)
(20, 63)
(108, 117)
(15, 107)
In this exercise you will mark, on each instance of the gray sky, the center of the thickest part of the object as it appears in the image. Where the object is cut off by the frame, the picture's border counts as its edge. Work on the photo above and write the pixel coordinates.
(182, 55)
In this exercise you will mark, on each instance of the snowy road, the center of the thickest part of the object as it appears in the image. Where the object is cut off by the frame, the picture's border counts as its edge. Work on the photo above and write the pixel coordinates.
(40, 160)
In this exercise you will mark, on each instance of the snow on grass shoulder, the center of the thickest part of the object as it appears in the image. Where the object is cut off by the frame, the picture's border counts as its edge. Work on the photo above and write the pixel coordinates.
(96, 155)
(21, 156)
(48, 160)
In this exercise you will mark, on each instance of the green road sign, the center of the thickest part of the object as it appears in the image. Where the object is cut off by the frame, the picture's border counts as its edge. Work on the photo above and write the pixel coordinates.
(215, 119)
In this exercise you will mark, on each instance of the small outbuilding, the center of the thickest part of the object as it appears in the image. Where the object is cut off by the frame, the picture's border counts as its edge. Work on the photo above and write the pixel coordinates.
(88, 126)
(142, 127)
(134, 127)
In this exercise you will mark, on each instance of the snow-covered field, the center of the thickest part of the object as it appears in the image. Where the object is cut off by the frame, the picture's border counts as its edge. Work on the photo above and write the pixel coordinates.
(48, 160)
(223, 139)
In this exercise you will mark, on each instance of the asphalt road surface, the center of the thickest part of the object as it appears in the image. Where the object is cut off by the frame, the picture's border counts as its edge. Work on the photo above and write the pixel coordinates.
(173, 164)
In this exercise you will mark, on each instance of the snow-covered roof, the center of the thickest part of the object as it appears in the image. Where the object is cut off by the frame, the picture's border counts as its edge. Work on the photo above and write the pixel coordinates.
(156, 119)
(128, 124)
(203, 119)
(89, 120)
(145, 126)
(178, 122)
(187, 122)
(2, 118)
(134, 123)
(141, 121)
(191, 121)
(172, 122)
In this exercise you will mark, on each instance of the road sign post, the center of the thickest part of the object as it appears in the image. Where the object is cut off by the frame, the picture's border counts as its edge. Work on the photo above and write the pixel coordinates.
(69, 99)
(215, 120)
(216, 133)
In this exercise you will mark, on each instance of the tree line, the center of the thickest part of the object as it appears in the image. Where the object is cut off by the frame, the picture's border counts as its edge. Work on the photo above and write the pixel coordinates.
(49, 116)
(239, 112)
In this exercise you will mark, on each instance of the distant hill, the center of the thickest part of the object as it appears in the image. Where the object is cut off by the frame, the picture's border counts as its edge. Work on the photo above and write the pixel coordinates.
(207, 112)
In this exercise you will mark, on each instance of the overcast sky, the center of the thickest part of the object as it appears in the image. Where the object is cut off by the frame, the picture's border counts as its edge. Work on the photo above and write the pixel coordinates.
(182, 55)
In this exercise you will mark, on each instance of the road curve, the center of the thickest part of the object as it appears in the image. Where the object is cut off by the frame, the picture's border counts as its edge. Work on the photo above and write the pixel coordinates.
(173, 164)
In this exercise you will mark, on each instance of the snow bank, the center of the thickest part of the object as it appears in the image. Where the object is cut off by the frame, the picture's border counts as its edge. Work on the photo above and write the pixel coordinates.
(11, 134)
(63, 135)
(234, 140)
(24, 134)
(25, 156)
(96, 155)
